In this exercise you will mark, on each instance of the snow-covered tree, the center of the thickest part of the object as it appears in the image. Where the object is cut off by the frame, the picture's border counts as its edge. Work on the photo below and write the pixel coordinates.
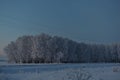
(44, 48)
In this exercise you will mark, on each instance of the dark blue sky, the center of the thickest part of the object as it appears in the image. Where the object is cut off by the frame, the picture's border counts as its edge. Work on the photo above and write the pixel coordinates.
(96, 21)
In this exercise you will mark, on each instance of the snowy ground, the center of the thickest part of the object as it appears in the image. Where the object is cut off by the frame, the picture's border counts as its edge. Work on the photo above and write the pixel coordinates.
(93, 71)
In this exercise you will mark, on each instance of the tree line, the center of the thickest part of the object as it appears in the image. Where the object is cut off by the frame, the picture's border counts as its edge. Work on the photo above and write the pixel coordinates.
(44, 48)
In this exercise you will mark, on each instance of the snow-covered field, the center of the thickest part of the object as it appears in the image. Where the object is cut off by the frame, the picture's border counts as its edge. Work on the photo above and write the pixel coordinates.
(109, 71)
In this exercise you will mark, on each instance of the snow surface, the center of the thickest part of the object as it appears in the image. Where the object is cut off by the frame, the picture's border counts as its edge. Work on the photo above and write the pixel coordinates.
(93, 71)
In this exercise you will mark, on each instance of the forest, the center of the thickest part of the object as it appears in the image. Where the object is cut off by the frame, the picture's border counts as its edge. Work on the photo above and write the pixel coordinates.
(44, 48)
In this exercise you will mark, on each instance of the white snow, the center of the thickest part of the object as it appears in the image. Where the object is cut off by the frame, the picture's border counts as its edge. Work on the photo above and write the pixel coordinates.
(93, 71)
